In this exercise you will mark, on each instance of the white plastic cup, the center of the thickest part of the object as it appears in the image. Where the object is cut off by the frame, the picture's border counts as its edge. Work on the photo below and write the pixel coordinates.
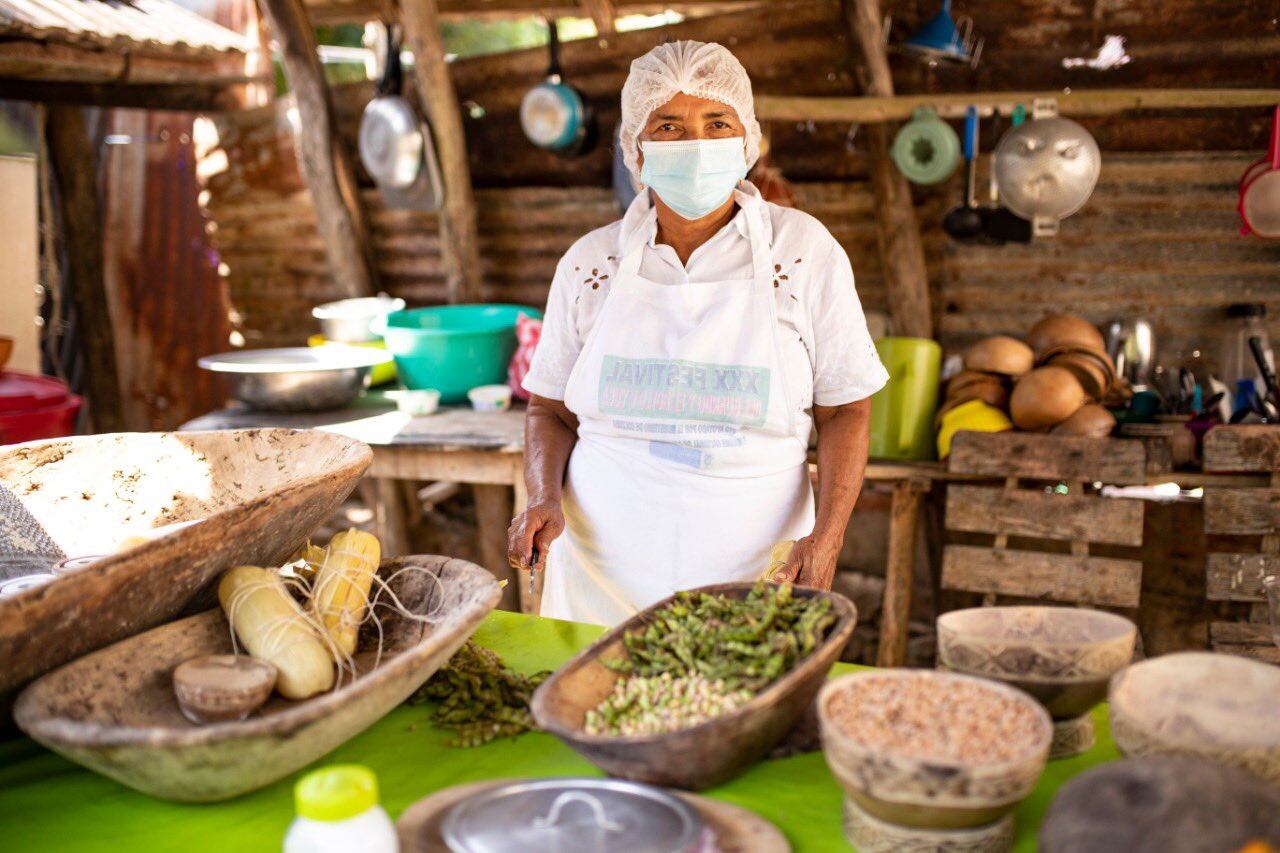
(420, 402)
(490, 398)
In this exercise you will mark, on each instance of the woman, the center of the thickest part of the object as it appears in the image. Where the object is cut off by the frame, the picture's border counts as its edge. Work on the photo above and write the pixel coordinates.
(687, 352)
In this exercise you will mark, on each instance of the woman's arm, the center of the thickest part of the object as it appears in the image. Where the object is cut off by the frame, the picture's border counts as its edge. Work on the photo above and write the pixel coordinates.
(550, 432)
(842, 461)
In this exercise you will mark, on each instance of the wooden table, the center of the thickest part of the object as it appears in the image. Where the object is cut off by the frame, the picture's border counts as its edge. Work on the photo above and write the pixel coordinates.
(486, 450)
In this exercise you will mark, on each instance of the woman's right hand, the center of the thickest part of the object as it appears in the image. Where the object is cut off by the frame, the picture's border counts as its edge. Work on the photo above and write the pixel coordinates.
(533, 531)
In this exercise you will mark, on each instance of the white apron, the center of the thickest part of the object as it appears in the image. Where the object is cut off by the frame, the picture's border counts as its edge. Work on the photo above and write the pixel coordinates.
(687, 467)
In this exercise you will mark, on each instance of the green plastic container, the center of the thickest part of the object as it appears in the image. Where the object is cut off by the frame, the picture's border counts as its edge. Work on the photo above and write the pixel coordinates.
(453, 348)
(902, 411)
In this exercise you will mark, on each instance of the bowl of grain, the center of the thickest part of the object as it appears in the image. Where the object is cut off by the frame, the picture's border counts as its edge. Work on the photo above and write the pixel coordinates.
(932, 749)
(1216, 706)
(1063, 656)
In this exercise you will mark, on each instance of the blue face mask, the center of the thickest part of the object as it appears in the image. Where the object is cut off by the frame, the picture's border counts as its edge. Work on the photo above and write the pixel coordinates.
(693, 176)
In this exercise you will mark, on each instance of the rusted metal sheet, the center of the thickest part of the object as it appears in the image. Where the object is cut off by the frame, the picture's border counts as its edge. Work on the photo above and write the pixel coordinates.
(169, 304)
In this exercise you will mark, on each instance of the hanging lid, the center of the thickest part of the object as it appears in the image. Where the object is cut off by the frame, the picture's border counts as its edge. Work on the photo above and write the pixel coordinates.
(583, 815)
(21, 391)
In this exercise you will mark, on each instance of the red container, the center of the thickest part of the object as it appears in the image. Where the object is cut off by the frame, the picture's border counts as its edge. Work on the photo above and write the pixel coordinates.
(34, 407)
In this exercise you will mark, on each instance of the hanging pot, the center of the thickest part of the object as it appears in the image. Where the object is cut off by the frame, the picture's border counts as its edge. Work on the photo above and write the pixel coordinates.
(553, 114)
(390, 139)
(1046, 169)
(926, 149)
(1260, 190)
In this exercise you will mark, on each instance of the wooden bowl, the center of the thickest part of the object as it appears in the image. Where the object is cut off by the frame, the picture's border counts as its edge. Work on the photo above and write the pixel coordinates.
(703, 755)
(894, 785)
(1062, 656)
(1216, 706)
(257, 495)
(115, 712)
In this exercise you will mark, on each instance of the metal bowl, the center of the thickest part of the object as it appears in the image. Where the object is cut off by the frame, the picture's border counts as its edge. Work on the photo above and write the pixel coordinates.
(347, 320)
(297, 379)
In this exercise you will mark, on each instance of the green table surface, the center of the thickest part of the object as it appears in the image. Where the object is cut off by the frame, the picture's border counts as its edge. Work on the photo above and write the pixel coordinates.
(48, 803)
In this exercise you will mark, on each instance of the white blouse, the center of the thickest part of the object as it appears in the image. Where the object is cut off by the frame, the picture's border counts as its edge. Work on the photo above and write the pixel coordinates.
(827, 353)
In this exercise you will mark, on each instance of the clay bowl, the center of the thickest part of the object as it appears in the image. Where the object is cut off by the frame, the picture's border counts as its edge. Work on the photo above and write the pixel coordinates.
(1165, 804)
(902, 785)
(115, 712)
(1216, 706)
(700, 756)
(255, 494)
(1062, 656)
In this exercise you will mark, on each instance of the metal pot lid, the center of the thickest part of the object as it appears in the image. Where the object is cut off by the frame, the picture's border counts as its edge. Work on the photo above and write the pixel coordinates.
(357, 307)
(294, 359)
(579, 815)
(23, 392)
(390, 141)
(1047, 167)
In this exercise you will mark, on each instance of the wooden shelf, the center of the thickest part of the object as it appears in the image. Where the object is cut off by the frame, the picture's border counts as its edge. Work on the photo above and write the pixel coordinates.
(1091, 102)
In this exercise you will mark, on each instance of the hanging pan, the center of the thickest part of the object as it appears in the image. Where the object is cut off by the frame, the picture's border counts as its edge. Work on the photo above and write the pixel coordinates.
(1260, 190)
(390, 139)
(395, 145)
(553, 114)
(1046, 168)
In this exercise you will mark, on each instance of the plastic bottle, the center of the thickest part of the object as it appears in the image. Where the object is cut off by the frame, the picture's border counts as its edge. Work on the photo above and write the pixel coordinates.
(338, 812)
(1239, 368)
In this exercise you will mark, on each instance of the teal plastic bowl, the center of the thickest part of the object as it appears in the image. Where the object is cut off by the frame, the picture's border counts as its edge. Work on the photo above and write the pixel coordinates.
(452, 348)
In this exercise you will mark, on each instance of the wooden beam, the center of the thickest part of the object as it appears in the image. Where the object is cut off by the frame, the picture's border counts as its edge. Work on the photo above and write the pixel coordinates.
(897, 230)
(74, 164)
(325, 163)
(421, 21)
(184, 97)
(34, 59)
(1035, 574)
(876, 107)
(602, 12)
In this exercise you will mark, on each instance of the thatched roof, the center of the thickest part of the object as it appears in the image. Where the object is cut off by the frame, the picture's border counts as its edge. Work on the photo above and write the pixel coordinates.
(117, 52)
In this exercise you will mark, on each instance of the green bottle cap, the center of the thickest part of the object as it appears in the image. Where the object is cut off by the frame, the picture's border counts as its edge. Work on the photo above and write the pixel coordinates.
(336, 793)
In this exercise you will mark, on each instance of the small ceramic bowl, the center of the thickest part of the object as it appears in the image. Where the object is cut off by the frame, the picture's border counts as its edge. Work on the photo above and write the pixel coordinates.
(1216, 706)
(421, 402)
(490, 398)
(898, 781)
(1063, 656)
(217, 688)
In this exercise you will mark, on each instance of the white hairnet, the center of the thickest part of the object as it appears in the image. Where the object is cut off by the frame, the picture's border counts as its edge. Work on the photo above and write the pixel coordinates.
(701, 69)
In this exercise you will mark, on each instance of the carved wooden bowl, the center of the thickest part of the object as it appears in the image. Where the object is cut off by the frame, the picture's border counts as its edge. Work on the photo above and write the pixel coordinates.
(699, 756)
(900, 784)
(254, 496)
(1063, 656)
(115, 711)
(1216, 706)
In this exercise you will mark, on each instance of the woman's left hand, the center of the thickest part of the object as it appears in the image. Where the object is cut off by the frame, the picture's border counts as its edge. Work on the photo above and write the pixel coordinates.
(812, 562)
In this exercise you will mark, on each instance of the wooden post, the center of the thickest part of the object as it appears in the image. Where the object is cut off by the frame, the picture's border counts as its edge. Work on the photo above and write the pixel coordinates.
(74, 165)
(325, 163)
(602, 12)
(897, 231)
(493, 516)
(421, 21)
(895, 613)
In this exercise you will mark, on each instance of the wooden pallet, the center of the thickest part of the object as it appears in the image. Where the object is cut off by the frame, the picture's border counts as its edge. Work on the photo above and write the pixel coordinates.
(1243, 512)
(1048, 494)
